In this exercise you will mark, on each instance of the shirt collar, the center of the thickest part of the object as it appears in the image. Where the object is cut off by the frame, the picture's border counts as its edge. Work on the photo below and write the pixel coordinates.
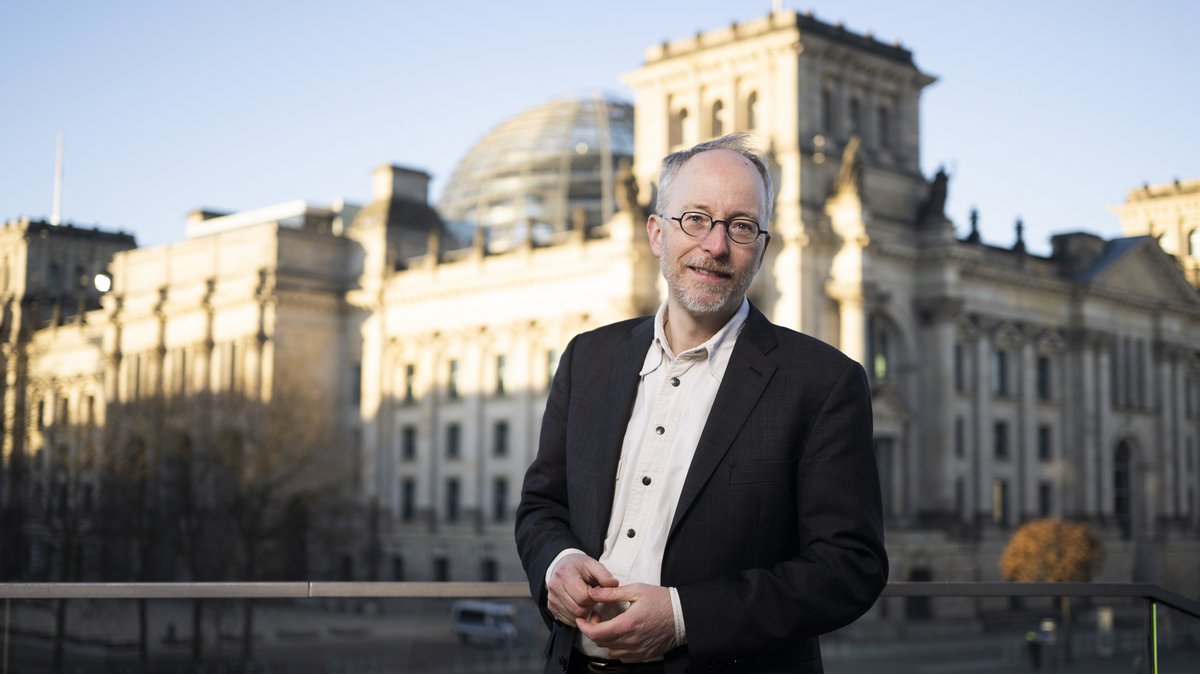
(717, 349)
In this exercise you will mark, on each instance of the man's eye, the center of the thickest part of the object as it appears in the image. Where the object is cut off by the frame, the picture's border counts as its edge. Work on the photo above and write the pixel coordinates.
(693, 218)
(743, 226)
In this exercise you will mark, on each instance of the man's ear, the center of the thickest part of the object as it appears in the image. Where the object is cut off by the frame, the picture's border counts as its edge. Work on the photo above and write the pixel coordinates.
(762, 254)
(654, 232)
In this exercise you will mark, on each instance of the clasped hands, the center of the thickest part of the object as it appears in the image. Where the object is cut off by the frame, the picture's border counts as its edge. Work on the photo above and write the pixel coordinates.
(633, 623)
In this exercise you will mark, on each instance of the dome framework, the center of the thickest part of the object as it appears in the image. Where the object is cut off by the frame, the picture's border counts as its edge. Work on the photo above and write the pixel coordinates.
(534, 173)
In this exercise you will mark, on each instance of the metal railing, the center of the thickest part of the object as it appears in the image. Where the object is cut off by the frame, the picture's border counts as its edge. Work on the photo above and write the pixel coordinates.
(414, 590)
(1155, 596)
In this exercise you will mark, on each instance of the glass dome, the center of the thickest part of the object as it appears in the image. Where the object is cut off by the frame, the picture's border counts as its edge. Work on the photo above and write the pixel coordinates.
(530, 174)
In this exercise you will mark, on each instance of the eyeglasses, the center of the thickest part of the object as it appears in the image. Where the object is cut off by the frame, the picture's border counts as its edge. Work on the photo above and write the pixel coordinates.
(697, 224)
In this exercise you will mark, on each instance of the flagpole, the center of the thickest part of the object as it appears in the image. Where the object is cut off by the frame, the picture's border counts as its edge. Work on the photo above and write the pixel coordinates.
(56, 213)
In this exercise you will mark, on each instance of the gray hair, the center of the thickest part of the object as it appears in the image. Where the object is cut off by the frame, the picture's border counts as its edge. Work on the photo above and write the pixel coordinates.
(737, 142)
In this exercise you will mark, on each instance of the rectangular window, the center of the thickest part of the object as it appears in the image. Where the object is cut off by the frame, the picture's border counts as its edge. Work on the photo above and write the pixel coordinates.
(41, 414)
(1143, 398)
(1000, 502)
(1045, 499)
(885, 126)
(960, 437)
(500, 444)
(1045, 442)
(1000, 439)
(453, 441)
(441, 569)
(501, 364)
(1114, 373)
(499, 499)
(1000, 372)
(398, 568)
(452, 487)
(137, 377)
(452, 382)
(356, 383)
(91, 411)
(185, 368)
(410, 377)
(408, 499)
(1044, 390)
(232, 370)
(408, 443)
(960, 379)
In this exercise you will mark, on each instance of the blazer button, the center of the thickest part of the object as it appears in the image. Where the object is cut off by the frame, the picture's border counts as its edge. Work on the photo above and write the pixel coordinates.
(660, 430)
(646, 480)
(631, 533)
(674, 381)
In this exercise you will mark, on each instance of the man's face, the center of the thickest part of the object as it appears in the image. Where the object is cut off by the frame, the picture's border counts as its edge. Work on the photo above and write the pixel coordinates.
(709, 276)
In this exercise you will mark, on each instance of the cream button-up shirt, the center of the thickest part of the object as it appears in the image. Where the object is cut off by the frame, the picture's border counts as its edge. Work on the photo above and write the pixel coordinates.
(674, 396)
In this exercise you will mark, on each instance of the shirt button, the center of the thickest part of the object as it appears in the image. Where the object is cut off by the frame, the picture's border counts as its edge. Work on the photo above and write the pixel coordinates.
(660, 430)
(631, 533)
(674, 381)
(646, 480)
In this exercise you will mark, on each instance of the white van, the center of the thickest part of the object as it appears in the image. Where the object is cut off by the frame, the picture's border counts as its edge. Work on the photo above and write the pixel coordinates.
(493, 621)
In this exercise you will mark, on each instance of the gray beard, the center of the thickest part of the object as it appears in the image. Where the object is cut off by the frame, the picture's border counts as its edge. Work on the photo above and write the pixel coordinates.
(706, 304)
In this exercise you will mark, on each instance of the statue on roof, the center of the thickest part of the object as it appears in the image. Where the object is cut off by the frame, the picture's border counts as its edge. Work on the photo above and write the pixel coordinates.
(851, 174)
(627, 189)
(934, 207)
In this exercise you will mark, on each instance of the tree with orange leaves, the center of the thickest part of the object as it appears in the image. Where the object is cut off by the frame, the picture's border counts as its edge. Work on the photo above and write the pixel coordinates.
(1052, 550)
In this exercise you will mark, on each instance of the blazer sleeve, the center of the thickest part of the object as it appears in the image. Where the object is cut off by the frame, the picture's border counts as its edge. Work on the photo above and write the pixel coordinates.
(542, 520)
(838, 566)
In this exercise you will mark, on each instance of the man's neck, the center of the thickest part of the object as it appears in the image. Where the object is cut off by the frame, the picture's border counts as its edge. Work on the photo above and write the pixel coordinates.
(685, 331)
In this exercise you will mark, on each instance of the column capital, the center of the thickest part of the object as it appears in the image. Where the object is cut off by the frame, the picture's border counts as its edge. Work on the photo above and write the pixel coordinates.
(939, 309)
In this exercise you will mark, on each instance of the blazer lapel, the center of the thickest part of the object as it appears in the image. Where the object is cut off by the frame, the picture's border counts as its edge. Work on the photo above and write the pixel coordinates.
(745, 379)
(615, 402)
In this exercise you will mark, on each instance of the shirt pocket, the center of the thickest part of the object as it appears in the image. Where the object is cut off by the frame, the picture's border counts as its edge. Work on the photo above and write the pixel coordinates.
(760, 473)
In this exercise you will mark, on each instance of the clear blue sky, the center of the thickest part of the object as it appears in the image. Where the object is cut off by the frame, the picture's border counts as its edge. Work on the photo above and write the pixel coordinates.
(1047, 110)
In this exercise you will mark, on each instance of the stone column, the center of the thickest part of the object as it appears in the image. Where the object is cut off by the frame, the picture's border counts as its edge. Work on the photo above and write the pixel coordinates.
(851, 319)
(936, 400)
(1024, 437)
(1097, 450)
(981, 463)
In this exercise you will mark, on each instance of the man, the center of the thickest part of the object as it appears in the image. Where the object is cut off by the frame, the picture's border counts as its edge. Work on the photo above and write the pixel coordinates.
(704, 497)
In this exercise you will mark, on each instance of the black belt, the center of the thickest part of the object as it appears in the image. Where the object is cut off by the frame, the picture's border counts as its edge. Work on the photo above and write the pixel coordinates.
(605, 666)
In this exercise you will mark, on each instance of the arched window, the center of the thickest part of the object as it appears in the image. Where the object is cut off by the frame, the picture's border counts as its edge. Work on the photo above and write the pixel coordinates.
(884, 345)
(717, 119)
(678, 123)
(752, 111)
(1193, 246)
(1123, 490)
(827, 117)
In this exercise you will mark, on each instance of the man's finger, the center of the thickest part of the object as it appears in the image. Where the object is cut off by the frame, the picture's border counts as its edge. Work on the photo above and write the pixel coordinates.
(598, 574)
(611, 594)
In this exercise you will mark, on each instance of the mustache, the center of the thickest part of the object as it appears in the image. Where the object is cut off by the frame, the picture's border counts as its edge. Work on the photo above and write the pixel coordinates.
(709, 265)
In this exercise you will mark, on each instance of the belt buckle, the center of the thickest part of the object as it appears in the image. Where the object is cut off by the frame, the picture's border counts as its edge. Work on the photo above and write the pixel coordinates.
(601, 667)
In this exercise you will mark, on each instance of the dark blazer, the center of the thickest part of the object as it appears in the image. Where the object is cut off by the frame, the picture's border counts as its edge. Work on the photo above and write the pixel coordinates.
(778, 534)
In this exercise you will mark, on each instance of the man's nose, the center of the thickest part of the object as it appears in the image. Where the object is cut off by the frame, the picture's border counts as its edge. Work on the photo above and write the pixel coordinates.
(716, 242)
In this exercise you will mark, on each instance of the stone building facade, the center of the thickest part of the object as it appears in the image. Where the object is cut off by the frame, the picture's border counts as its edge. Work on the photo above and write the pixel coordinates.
(1169, 212)
(1007, 385)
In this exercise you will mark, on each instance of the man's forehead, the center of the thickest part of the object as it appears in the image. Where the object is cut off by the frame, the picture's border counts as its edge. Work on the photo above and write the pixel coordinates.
(719, 157)
(726, 167)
